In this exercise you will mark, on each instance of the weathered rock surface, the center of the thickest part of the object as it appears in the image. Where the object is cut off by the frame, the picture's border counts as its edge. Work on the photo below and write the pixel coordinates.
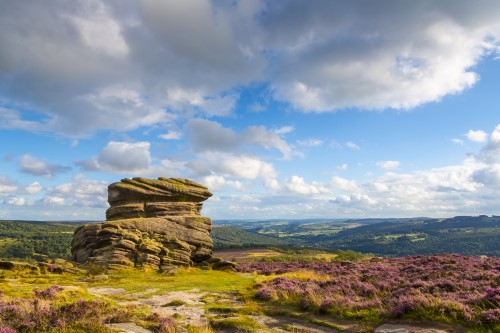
(150, 223)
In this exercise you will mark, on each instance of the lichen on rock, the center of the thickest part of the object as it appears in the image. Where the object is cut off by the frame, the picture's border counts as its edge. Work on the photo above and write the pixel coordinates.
(150, 224)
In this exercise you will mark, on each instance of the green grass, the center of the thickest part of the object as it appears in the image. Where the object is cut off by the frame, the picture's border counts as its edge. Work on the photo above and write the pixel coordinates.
(204, 280)
(241, 323)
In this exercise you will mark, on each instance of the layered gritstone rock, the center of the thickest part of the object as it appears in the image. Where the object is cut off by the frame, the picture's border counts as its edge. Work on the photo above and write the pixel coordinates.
(150, 223)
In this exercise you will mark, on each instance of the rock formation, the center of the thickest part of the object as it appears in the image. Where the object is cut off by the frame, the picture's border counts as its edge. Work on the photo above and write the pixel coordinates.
(150, 223)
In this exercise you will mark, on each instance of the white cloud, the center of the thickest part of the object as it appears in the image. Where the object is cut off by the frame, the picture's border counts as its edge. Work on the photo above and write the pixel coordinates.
(7, 185)
(495, 135)
(120, 157)
(33, 188)
(272, 184)
(467, 188)
(387, 165)
(310, 142)
(133, 63)
(206, 135)
(34, 166)
(99, 31)
(373, 59)
(216, 183)
(356, 199)
(476, 136)
(19, 201)
(344, 184)
(298, 185)
(458, 141)
(352, 145)
(211, 136)
(247, 167)
(488, 176)
(80, 192)
(260, 136)
(284, 130)
(171, 135)
(54, 200)
(490, 153)
(194, 101)
(343, 167)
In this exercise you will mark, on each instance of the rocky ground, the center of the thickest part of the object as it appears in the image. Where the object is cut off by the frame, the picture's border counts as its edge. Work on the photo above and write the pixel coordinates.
(192, 308)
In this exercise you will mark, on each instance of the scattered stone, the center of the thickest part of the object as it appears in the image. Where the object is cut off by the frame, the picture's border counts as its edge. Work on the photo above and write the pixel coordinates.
(150, 224)
(18, 266)
(392, 328)
(128, 328)
(106, 291)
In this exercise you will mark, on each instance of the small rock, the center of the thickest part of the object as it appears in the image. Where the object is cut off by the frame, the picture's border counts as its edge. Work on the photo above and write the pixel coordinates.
(391, 328)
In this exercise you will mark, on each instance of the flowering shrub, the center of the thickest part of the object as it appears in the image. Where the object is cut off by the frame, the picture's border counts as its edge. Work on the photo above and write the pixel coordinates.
(4, 329)
(44, 314)
(49, 293)
(167, 325)
(443, 287)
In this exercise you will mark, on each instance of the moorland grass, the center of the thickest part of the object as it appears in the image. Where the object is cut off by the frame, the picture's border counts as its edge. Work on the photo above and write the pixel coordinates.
(184, 279)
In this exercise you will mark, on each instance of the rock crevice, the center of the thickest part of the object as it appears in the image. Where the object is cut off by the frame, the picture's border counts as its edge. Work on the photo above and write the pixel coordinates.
(150, 223)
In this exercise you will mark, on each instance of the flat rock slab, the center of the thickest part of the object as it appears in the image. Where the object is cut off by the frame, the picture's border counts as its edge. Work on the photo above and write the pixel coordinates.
(129, 328)
(390, 328)
(191, 297)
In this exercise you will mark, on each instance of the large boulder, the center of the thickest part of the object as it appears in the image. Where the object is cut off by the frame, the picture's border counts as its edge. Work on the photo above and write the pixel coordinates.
(150, 223)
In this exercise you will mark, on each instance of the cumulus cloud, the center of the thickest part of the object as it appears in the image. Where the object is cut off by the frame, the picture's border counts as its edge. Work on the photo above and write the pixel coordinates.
(230, 165)
(310, 142)
(259, 135)
(34, 166)
(211, 136)
(365, 55)
(33, 188)
(120, 157)
(356, 199)
(170, 135)
(488, 176)
(387, 165)
(298, 185)
(19, 201)
(80, 192)
(284, 130)
(7, 185)
(490, 153)
(352, 145)
(215, 183)
(343, 166)
(344, 184)
(476, 136)
(206, 135)
(136, 69)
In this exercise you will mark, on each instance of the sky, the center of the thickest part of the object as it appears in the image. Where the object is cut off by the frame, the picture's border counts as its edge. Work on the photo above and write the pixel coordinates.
(283, 109)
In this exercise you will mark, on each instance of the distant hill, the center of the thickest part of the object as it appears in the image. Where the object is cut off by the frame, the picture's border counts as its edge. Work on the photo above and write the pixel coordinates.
(235, 237)
(468, 235)
(34, 240)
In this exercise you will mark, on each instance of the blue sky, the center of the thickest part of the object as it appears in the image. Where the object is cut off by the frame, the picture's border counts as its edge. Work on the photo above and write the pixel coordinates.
(283, 109)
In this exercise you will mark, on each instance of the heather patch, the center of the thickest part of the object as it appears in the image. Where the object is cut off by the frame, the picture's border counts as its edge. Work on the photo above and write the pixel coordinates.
(445, 288)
